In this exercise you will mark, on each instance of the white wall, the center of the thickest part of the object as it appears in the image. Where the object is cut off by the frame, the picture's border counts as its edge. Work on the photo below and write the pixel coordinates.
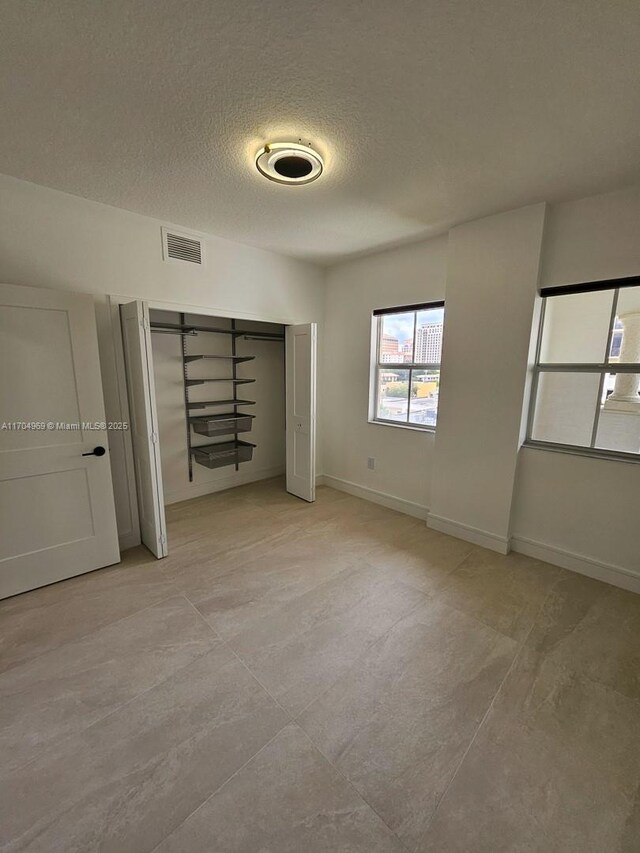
(580, 513)
(411, 274)
(562, 505)
(54, 240)
(268, 425)
(592, 239)
(492, 277)
(50, 239)
(583, 512)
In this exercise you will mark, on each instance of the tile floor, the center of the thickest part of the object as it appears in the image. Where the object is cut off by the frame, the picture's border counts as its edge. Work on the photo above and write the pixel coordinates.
(325, 678)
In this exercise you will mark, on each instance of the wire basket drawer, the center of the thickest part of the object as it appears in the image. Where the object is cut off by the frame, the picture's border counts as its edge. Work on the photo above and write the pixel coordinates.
(225, 424)
(225, 453)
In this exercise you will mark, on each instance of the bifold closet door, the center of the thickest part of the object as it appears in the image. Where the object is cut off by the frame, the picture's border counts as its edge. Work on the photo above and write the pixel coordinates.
(301, 410)
(57, 512)
(138, 356)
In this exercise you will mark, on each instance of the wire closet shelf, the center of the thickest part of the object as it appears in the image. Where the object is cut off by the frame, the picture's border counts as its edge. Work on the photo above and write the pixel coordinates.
(216, 424)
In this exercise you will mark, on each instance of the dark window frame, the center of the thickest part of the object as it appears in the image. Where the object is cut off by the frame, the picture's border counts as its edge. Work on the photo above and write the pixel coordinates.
(378, 365)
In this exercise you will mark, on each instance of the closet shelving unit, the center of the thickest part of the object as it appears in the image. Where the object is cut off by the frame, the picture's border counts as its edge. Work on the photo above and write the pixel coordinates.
(231, 452)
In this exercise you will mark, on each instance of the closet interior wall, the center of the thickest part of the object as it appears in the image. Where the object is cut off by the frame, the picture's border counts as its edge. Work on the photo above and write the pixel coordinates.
(267, 392)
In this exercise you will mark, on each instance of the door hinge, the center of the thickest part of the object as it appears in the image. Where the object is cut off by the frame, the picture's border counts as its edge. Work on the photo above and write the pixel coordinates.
(154, 438)
(145, 324)
(163, 539)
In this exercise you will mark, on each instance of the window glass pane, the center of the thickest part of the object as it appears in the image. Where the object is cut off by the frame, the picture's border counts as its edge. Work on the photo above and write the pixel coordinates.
(565, 407)
(619, 423)
(393, 394)
(429, 325)
(576, 328)
(625, 341)
(423, 404)
(396, 338)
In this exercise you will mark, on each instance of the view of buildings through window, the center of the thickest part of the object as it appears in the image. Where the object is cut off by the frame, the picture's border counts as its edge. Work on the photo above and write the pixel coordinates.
(407, 380)
(587, 376)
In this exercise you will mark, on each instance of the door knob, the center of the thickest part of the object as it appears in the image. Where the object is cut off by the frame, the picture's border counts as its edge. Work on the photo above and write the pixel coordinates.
(97, 451)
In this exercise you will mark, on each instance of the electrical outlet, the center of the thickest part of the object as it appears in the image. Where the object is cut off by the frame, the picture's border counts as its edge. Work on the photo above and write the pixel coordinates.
(371, 463)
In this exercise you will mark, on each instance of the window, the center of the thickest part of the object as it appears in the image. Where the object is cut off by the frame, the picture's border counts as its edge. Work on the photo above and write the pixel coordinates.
(587, 373)
(406, 381)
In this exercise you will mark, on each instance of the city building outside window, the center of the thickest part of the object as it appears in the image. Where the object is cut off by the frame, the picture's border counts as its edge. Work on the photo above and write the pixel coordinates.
(406, 367)
(586, 384)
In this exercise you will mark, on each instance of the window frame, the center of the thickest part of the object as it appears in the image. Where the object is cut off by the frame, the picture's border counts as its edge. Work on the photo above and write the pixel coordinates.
(376, 365)
(600, 368)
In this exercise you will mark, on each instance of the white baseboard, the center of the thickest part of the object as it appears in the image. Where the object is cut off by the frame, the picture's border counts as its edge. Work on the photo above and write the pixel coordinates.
(241, 479)
(615, 575)
(390, 501)
(475, 535)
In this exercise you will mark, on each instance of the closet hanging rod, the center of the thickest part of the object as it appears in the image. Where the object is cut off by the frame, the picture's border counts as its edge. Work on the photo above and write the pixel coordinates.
(262, 337)
(186, 328)
(190, 332)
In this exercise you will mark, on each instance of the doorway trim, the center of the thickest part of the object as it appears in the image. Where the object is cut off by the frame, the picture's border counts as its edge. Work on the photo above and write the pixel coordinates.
(114, 300)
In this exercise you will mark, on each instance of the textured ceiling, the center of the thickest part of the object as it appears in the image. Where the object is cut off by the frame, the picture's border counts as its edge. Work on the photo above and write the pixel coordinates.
(428, 113)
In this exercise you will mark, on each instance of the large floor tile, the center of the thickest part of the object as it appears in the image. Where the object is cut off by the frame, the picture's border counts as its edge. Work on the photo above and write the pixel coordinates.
(67, 689)
(554, 769)
(216, 547)
(126, 782)
(272, 496)
(299, 649)
(238, 599)
(225, 528)
(421, 557)
(397, 724)
(207, 505)
(264, 568)
(364, 537)
(36, 622)
(594, 629)
(505, 592)
(130, 723)
(288, 799)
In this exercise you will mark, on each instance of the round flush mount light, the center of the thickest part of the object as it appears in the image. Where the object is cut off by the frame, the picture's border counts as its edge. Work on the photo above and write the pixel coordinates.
(289, 163)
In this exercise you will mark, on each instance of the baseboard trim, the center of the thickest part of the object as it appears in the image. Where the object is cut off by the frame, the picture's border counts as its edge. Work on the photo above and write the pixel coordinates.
(241, 479)
(470, 534)
(383, 498)
(615, 575)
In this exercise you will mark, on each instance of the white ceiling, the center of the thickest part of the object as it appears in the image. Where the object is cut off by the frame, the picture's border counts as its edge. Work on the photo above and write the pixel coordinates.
(429, 113)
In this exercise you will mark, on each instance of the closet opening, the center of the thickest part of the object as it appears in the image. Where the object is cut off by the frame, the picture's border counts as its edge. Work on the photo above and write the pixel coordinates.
(215, 403)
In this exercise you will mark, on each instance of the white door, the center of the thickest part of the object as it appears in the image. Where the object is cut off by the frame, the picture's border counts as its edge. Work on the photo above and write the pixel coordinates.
(138, 356)
(301, 410)
(57, 513)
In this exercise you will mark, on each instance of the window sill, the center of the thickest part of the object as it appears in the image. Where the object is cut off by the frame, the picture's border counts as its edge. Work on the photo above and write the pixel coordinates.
(592, 452)
(411, 427)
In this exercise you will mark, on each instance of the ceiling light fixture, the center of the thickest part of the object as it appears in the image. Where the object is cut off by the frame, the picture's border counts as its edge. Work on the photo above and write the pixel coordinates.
(289, 163)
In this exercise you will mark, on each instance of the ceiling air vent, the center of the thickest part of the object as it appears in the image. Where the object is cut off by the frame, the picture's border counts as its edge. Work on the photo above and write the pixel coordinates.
(182, 247)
